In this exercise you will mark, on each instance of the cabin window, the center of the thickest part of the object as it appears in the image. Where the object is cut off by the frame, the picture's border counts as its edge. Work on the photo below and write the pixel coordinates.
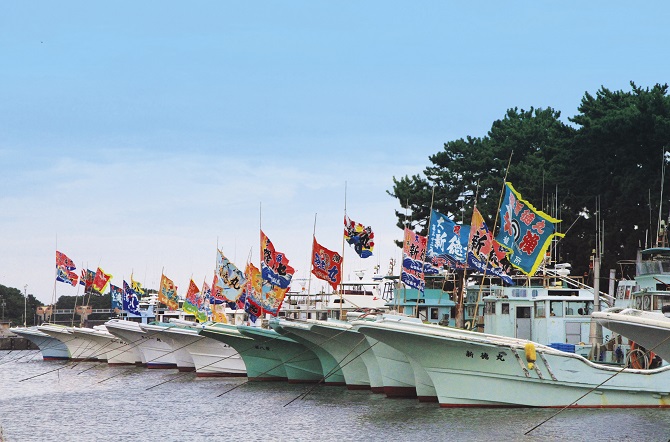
(556, 308)
(505, 308)
(490, 308)
(540, 310)
(660, 301)
(471, 311)
(434, 313)
(533, 293)
(646, 302)
(519, 293)
(578, 308)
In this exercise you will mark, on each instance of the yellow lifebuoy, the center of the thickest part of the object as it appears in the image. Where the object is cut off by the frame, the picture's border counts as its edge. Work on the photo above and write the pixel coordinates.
(467, 325)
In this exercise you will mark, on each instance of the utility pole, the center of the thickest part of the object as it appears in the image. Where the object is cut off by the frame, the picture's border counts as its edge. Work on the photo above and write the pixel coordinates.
(25, 304)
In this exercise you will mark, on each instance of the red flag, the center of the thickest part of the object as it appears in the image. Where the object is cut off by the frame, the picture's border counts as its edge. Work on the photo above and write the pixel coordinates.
(63, 261)
(326, 264)
(101, 280)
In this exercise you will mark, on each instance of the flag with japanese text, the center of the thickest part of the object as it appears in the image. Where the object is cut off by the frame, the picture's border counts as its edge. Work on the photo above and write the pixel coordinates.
(230, 280)
(525, 231)
(116, 298)
(218, 310)
(276, 276)
(251, 300)
(167, 293)
(252, 290)
(359, 236)
(447, 242)
(484, 253)
(131, 303)
(413, 257)
(326, 264)
(205, 308)
(101, 281)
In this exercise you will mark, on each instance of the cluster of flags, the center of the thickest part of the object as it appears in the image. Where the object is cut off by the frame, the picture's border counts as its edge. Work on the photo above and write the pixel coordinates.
(524, 237)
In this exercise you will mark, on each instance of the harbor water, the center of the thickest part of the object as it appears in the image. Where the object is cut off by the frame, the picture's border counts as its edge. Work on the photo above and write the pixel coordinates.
(86, 401)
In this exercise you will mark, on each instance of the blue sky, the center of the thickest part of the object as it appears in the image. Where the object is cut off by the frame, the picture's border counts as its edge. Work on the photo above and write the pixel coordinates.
(137, 136)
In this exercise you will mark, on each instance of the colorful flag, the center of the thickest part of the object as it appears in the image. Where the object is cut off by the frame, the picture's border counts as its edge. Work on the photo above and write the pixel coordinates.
(230, 280)
(213, 306)
(87, 277)
(252, 290)
(167, 293)
(116, 296)
(131, 303)
(485, 254)
(64, 267)
(101, 280)
(63, 261)
(193, 299)
(137, 287)
(326, 264)
(219, 313)
(66, 276)
(276, 277)
(447, 242)
(361, 237)
(413, 256)
(525, 231)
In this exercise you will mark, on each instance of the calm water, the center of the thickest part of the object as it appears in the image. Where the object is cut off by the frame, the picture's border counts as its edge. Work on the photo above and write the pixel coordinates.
(95, 402)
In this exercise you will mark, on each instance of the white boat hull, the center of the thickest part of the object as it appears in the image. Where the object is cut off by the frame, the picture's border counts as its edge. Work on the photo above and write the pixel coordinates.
(51, 348)
(473, 369)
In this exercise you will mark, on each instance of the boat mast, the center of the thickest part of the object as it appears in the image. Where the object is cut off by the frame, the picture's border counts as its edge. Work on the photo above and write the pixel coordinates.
(596, 330)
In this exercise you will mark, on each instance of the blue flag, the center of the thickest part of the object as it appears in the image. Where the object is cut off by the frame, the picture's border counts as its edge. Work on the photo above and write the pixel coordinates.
(525, 231)
(447, 242)
(116, 295)
(131, 303)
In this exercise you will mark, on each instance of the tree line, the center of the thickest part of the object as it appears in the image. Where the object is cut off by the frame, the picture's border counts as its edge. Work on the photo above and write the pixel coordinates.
(602, 170)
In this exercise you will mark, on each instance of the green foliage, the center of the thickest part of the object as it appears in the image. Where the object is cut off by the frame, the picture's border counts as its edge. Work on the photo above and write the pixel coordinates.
(16, 304)
(614, 152)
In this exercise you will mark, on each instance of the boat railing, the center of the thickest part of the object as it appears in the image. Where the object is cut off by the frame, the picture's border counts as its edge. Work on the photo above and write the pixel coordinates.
(577, 282)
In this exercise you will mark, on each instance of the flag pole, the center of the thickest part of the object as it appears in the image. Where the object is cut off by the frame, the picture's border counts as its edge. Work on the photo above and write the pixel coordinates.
(260, 261)
(311, 262)
(430, 216)
(493, 242)
(345, 226)
(459, 311)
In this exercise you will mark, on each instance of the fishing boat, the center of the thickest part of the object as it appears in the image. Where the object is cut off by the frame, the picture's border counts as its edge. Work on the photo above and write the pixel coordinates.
(300, 332)
(160, 344)
(300, 363)
(210, 358)
(145, 343)
(79, 348)
(108, 347)
(641, 309)
(649, 331)
(51, 348)
(351, 351)
(470, 369)
(261, 358)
